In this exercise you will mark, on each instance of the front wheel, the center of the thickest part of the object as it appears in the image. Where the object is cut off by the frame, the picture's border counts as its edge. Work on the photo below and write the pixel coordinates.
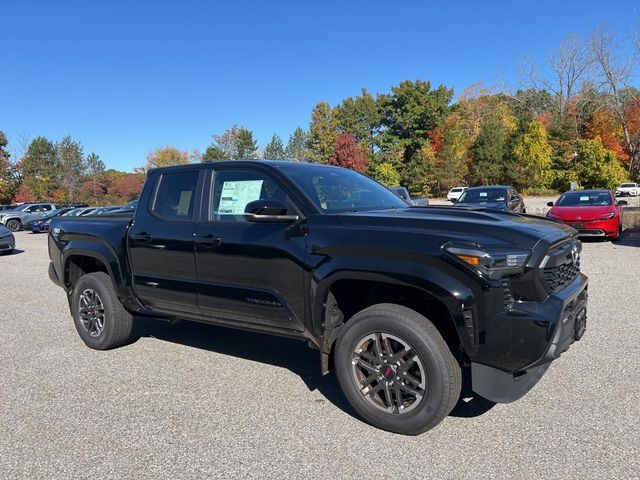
(396, 370)
(13, 225)
(100, 319)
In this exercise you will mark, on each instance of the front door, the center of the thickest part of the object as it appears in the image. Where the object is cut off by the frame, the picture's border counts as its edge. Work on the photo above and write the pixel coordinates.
(160, 242)
(249, 272)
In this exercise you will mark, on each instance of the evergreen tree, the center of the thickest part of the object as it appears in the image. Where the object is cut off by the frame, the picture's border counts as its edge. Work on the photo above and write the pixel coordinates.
(72, 166)
(7, 183)
(40, 168)
(489, 152)
(95, 168)
(274, 149)
(246, 146)
(297, 145)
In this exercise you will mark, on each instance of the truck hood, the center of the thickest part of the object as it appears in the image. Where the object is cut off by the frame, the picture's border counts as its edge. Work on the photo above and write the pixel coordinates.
(482, 226)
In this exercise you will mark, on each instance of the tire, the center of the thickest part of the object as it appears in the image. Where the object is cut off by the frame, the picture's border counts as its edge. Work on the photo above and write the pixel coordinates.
(14, 225)
(116, 321)
(433, 364)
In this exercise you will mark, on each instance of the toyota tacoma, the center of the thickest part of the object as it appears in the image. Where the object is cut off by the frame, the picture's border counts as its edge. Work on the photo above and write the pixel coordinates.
(400, 301)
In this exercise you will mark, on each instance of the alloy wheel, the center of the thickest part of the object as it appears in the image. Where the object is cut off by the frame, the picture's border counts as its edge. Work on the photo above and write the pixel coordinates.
(91, 312)
(389, 373)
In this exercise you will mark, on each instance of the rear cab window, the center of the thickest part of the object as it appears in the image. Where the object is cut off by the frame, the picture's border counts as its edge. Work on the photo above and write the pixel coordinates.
(176, 195)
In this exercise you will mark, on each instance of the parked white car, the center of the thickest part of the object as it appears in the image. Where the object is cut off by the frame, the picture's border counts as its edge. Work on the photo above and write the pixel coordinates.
(454, 193)
(631, 189)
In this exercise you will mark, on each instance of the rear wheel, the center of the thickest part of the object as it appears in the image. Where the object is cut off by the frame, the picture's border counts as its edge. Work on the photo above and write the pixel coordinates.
(99, 317)
(14, 225)
(396, 370)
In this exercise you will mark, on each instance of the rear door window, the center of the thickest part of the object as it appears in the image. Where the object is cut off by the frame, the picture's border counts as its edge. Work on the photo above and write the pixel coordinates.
(176, 195)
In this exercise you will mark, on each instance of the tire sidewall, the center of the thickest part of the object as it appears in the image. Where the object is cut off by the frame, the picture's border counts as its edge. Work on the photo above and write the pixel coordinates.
(99, 342)
(429, 355)
(13, 223)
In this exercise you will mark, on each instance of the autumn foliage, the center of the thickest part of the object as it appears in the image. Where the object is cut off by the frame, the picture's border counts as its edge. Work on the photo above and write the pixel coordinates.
(349, 154)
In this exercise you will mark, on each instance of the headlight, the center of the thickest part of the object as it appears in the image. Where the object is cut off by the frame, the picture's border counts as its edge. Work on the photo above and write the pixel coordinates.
(608, 216)
(492, 263)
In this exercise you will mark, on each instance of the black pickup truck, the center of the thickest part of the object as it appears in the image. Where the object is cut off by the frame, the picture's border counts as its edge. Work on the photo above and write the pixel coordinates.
(399, 300)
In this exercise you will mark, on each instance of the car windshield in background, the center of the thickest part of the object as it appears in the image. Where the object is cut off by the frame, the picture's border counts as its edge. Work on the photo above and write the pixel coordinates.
(628, 185)
(483, 196)
(21, 208)
(456, 190)
(584, 199)
(333, 190)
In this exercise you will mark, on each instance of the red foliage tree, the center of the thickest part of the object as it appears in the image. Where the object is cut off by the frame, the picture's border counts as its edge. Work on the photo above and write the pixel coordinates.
(435, 136)
(349, 154)
(128, 187)
(24, 195)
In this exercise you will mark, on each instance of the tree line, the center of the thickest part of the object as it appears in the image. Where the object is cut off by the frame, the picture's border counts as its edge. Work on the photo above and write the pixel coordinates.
(579, 122)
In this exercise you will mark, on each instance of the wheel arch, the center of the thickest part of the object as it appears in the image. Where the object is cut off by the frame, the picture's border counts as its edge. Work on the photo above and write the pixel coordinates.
(341, 295)
(80, 260)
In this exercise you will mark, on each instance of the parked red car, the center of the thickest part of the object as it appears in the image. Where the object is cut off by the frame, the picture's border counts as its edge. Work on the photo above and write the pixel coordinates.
(594, 213)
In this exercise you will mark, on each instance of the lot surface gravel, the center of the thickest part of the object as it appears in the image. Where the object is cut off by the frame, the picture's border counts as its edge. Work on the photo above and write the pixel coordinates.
(197, 401)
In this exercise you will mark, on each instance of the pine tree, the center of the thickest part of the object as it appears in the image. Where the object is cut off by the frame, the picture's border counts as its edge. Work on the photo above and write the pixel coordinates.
(297, 145)
(274, 149)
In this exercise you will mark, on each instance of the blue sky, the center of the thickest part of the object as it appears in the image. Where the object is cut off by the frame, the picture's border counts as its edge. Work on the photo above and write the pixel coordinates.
(125, 77)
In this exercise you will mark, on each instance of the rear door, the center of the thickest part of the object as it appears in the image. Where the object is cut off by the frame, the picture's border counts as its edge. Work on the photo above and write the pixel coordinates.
(250, 272)
(160, 241)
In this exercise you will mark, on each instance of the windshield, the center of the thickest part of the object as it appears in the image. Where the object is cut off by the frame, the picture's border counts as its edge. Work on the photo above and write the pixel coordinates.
(21, 208)
(584, 199)
(455, 190)
(72, 213)
(628, 185)
(335, 190)
(483, 196)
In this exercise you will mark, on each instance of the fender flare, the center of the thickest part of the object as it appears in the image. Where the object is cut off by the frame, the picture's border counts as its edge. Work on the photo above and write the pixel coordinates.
(100, 252)
(452, 293)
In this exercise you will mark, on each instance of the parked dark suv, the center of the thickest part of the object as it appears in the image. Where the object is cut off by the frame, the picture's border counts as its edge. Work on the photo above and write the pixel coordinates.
(496, 197)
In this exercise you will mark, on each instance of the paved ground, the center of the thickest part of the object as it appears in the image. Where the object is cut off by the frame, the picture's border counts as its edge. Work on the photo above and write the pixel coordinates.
(194, 401)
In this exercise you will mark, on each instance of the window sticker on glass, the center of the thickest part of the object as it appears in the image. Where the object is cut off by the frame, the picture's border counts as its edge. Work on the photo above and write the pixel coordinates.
(483, 194)
(584, 199)
(185, 201)
(236, 194)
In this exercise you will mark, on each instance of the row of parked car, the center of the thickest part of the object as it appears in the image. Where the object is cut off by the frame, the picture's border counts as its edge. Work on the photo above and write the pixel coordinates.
(36, 217)
(594, 213)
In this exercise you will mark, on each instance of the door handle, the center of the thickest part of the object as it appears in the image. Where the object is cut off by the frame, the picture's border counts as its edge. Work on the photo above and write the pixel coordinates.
(210, 240)
(141, 237)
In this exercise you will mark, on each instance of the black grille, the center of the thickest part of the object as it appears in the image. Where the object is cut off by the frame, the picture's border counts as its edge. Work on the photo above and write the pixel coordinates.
(565, 269)
(509, 299)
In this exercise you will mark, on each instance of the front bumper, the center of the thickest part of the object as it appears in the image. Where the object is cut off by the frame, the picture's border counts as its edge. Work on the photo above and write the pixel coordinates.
(7, 244)
(53, 275)
(540, 333)
(595, 228)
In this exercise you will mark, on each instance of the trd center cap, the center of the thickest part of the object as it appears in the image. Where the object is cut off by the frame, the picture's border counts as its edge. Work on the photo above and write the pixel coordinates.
(387, 372)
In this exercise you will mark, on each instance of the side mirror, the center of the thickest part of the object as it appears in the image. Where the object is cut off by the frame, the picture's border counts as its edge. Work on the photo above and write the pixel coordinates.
(623, 202)
(268, 211)
(549, 204)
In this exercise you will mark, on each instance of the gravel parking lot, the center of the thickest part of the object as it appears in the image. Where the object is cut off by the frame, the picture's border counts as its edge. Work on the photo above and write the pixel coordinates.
(194, 401)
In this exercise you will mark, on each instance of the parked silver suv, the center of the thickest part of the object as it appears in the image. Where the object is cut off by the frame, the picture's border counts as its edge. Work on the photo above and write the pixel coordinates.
(13, 219)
